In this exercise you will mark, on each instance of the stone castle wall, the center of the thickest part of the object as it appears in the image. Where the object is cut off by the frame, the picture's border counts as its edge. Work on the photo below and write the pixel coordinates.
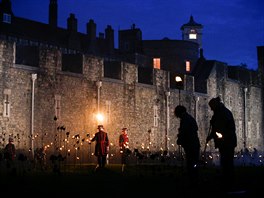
(146, 110)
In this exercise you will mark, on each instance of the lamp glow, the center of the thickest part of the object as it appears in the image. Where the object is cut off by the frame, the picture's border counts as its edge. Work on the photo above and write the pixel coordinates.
(219, 135)
(178, 79)
(99, 117)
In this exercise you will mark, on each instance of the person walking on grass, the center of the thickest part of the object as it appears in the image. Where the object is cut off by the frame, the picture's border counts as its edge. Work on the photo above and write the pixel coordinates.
(224, 135)
(101, 146)
(189, 140)
(123, 146)
(10, 155)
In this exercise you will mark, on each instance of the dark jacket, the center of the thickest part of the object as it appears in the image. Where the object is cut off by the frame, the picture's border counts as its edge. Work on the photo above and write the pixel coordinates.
(10, 151)
(223, 122)
(188, 132)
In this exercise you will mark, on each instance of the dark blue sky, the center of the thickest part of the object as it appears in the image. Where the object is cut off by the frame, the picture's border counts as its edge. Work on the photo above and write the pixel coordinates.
(232, 29)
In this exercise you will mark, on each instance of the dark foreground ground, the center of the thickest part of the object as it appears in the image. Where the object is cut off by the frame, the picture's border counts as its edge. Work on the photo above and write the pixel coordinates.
(136, 181)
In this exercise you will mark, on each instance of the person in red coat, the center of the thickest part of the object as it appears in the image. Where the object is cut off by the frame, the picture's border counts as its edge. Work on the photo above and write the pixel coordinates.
(123, 145)
(101, 146)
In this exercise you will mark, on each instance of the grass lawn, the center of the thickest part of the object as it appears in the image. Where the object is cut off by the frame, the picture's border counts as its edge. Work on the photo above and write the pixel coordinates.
(136, 180)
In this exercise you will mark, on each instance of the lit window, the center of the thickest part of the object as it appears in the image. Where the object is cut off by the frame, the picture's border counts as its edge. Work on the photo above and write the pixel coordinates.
(192, 34)
(156, 63)
(6, 18)
(188, 66)
(7, 93)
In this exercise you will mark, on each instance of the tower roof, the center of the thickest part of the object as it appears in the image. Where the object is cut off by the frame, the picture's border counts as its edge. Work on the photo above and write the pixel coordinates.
(191, 23)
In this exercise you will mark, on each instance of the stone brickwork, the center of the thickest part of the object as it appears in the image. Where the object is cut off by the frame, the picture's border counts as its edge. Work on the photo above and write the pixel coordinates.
(124, 103)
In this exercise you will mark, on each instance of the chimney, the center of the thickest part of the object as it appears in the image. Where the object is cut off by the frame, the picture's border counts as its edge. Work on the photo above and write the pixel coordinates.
(53, 13)
(109, 36)
(260, 57)
(72, 23)
(91, 30)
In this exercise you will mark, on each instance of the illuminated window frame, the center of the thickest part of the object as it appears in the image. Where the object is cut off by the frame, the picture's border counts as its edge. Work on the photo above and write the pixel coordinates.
(187, 66)
(156, 63)
(193, 35)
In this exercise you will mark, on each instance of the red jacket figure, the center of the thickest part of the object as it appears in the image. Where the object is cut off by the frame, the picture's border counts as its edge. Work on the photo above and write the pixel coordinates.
(101, 146)
(123, 140)
(123, 144)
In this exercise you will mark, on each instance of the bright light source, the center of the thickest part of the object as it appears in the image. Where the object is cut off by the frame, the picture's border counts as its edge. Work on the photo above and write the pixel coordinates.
(178, 79)
(99, 117)
(219, 135)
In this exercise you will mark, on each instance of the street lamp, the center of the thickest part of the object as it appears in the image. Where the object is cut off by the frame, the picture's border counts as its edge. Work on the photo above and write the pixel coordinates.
(167, 121)
(179, 85)
(99, 117)
(245, 117)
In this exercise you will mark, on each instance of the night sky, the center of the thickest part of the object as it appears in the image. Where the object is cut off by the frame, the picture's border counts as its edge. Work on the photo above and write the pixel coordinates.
(232, 29)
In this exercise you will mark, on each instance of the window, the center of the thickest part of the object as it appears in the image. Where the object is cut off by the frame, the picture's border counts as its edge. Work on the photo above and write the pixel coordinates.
(7, 93)
(192, 34)
(57, 106)
(145, 75)
(112, 69)
(156, 63)
(156, 116)
(27, 55)
(188, 66)
(7, 18)
(72, 63)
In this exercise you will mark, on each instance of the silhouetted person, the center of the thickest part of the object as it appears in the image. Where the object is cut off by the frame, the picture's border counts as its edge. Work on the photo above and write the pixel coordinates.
(189, 140)
(10, 155)
(255, 157)
(101, 146)
(40, 158)
(123, 146)
(224, 134)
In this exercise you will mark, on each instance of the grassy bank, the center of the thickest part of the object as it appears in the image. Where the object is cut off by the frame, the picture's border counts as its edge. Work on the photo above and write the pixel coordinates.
(145, 180)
